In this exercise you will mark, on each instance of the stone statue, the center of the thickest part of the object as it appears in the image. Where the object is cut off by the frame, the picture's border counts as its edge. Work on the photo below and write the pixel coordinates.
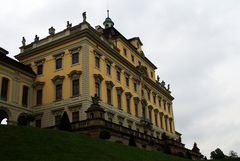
(36, 38)
(51, 31)
(84, 16)
(168, 87)
(23, 41)
(69, 25)
(95, 100)
(158, 78)
(163, 83)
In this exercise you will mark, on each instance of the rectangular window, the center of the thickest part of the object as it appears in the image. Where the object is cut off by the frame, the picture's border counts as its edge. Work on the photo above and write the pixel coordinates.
(59, 92)
(150, 115)
(164, 105)
(25, 96)
(159, 101)
(118, 75)
(154, 99)
(139, 63)
(148, 93)
(156, 119)
(170, 125)
(151, 74)
(132, 58)
(58, 63)
(39, 97)
(38, 123)
(135, 86)
(169, 107)
(4, 89)
(109, 96)
(125, 51)
(75, 87)
(108, 69)
(127, 81)
(75, 116)
(75, 58)
(40, 69)
(128, 105)
(97, 61)
(97, 89)
(166, 124)
(57, 119)
(119, 100)
(136, 110)
(161, 122)
(142, 93)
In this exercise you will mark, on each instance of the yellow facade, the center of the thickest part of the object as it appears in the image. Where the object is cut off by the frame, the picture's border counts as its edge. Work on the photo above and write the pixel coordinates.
(121, 55)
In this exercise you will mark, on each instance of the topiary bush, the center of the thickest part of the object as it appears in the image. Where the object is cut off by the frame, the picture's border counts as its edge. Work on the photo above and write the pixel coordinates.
(65, 124)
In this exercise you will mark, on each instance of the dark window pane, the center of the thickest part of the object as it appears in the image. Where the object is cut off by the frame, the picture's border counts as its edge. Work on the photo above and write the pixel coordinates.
(118, 76)
(97, 89)
(59, 63)
(108, 69)
(127, 81)
(75, 58)
(128, 105)
(136, 110)
(40, 69)
(75, 116)
(75, 87)
(59, 92)
(25, 96)
(39, 97)
(119, 99)
(4, 90)
(109, 96)
(97, 61)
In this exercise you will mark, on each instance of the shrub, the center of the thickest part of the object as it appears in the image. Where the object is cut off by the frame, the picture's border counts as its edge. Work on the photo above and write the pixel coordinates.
(105, 135)
(132, 141)
(65, 124)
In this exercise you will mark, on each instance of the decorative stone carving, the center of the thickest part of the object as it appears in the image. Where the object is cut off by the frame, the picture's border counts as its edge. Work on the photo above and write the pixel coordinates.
(136, 100)
(98, 77)
(74, 74)
(84, 15)
(69, 25)
(36, 39)
(168, 87)
(163, 83)
(38, 85)
(95, 100)
(109, 84)
(128, 95)
(158, 78)
(51, 31)
(58, 79)
(119, 90)
(144, 102)
(23, 41)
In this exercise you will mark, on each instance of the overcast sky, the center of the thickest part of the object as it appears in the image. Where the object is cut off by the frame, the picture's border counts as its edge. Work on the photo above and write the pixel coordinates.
(194, 43)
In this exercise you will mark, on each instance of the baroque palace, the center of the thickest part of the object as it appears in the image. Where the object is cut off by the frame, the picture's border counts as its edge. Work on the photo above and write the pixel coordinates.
(64, 71)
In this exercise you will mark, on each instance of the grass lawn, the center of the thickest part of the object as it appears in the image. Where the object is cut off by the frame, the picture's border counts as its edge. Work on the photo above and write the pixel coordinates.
(33, 144)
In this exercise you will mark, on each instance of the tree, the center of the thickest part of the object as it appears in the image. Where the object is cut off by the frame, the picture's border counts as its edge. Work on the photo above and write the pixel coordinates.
(233, 154)
(65, 124)
(217, 154)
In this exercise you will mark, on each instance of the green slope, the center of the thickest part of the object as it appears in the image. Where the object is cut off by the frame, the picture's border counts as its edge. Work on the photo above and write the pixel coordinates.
(32, 144)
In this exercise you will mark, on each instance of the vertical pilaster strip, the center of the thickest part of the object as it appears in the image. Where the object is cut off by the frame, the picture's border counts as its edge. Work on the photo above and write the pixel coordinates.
(85, 79)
